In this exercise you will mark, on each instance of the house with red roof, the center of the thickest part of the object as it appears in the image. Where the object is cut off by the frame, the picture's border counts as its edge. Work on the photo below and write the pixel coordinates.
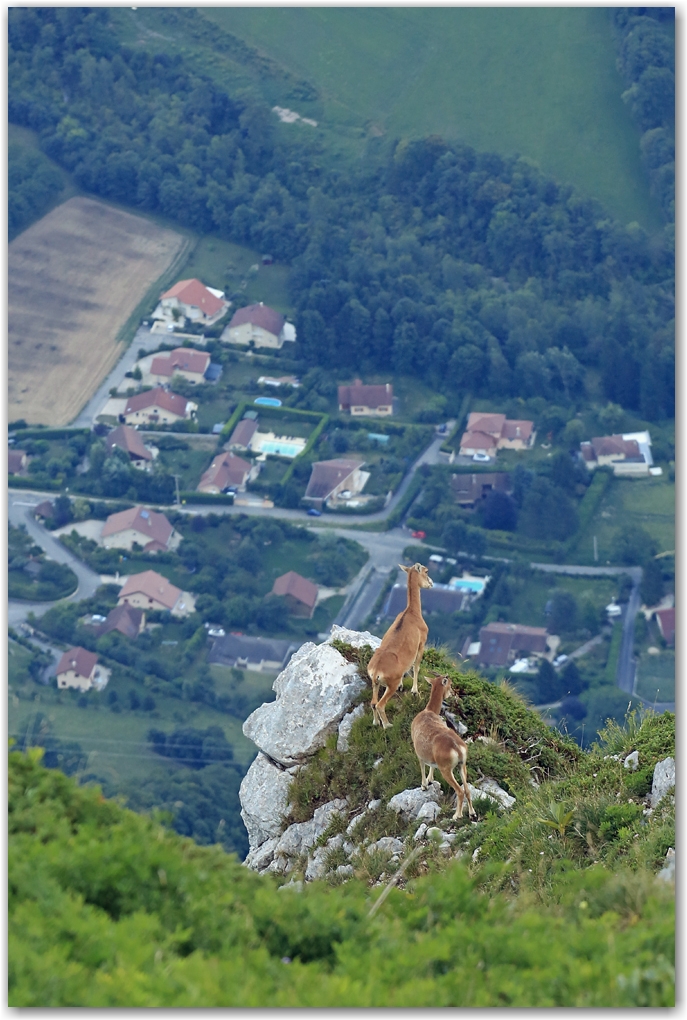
(487, 433)
(299, 594)
(184, 361)
(158, 407)
(260, 326)
(192, 300)
(152, 531)
(329, 478)
(78, 668)
(666, 624)
(150, 590)
(141, 455)
(628, 454)
(227, 471)
(373, 400)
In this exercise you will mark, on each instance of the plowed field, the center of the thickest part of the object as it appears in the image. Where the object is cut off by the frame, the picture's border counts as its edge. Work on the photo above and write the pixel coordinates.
(74, 279)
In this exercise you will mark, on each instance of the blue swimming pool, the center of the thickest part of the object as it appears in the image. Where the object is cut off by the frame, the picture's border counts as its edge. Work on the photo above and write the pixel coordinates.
(281, 449)
(267, 401)
(464, 584)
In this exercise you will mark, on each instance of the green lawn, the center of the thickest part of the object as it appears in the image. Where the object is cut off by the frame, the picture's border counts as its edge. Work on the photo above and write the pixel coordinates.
(540, 81)
(531, 593)
(227, 266)
(648, 502)
(656, 676)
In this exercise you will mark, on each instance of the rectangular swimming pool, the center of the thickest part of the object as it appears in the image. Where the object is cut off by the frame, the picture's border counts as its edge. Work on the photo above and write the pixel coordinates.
(281, 449)
(475, 584)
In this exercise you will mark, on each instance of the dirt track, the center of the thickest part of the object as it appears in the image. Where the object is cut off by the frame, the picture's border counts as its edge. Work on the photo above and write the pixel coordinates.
(74, 279)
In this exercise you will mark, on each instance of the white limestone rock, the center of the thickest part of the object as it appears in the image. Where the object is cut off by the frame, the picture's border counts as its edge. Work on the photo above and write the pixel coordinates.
(354, 638)
(632, 761)
(667, 873)
(388, 844)
(302, 835)
(664, 780)
(317, 688)
(409, 802)
(345, 870)
(429, 811)
(317, 867)
(345, 727)
(262, 856)
(264, 794)
(490, 788)
(419, 832)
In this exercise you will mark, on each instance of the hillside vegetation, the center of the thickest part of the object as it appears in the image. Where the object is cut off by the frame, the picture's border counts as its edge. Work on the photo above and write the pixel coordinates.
(552, 904)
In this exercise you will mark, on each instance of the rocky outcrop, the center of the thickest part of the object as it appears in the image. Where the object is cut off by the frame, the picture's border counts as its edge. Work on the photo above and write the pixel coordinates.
(663, 781)
(264, 798)
(314, 692)
(346, 725)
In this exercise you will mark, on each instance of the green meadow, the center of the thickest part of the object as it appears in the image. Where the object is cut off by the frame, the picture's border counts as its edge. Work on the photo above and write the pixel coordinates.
(539, 81)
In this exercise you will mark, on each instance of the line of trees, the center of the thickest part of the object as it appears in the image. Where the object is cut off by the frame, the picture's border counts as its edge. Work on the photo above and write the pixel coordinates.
(472, 271)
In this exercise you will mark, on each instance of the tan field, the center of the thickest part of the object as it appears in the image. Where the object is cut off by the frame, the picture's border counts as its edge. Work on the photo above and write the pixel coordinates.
(75, 277)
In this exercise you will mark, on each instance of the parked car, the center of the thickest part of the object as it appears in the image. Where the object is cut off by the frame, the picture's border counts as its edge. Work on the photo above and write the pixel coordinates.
(418, 534)
(481, 458)
(216, 632)
(560, 659)
(312, 512)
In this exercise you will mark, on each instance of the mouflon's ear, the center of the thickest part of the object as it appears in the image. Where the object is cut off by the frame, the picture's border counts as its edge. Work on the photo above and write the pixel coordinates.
(407, 569)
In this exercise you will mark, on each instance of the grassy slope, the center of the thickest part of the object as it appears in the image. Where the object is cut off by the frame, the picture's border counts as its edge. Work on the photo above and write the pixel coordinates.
(539, 81)
(109, 909)
(647, 502)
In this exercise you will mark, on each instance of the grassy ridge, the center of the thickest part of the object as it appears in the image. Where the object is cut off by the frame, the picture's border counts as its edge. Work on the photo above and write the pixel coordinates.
(539, 81)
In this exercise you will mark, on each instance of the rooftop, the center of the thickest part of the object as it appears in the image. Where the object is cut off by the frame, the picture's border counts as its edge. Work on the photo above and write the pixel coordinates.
(297, 586)
(259, 315)
(153, 586)
(327, 474)
(78, 659)
(154, 526)
(195, 294)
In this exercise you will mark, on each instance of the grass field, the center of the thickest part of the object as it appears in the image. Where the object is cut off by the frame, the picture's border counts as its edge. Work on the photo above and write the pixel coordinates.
(74, 278)
(540, 81)
(656, 676)
(227, 266)
(648, 502)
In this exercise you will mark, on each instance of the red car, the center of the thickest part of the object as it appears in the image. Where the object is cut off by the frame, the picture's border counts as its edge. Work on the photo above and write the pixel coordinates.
(418, 534)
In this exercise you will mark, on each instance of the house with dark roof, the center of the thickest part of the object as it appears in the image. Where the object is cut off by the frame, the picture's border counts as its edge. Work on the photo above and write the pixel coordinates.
(44, 510)
(628, 454)
(192, 300)
(501, 643)
(469, 490)
(151, 530)
(371, 400)
(183, 361)
(17, 461)
(141, 455)
(126, 619)
(299, 594)
(254, 653)
(227, 471)
(260, 326)
(158, 407)
(77, 668)
(439, 599)
(242, 434)
(329, 478)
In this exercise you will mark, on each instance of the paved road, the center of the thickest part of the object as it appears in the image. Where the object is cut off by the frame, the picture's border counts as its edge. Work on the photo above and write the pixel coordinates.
(89, 581)
(144, 338)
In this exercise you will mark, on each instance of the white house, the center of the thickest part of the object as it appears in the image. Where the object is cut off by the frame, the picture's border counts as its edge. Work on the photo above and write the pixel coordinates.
(260, 325)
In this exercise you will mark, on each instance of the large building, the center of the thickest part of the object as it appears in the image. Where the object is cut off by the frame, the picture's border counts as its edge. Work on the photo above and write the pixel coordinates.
(487, 433)
(158, 407)
(260, 326)
(151, 530)
(367, 400)
(628, 454)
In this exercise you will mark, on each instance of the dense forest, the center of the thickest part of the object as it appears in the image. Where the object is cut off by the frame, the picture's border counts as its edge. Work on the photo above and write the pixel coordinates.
(476, 272)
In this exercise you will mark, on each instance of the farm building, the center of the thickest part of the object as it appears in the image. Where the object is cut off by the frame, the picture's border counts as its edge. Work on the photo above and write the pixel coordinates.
(254, 653)
(158, 407)
(501, 643)
(227, 471)
(150, 590)
(374, 400)
(152, 531)
(260, 325)
(78, 668)
(299, 594)
(126, 619)
(125, 438)
(184, 361)
(192, 300)
(329, 478)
